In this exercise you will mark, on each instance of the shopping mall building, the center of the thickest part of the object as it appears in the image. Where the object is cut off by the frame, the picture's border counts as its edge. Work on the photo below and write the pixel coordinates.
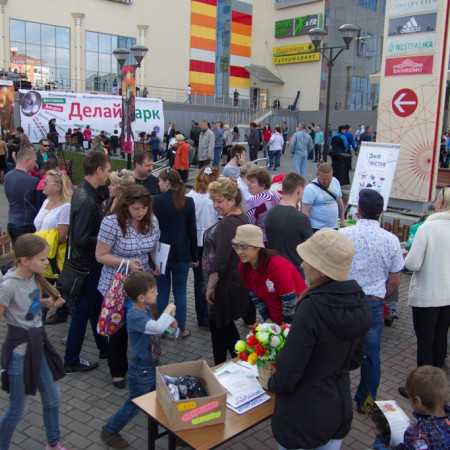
(256, 48)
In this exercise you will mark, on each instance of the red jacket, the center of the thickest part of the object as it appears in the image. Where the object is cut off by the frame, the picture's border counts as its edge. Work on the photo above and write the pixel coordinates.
(266, 135)
(182, 157)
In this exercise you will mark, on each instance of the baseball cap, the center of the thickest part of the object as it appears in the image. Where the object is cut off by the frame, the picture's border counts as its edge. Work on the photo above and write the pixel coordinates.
(370, 201)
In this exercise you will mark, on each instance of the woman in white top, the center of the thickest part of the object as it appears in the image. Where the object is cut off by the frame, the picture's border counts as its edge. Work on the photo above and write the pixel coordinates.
(55, 211)
(130, 235)
(242, 180)
(429, 292)
(276, 145)
(206, 216)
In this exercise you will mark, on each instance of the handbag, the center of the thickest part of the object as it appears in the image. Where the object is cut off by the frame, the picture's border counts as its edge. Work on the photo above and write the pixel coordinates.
(113, 307)
(56, 252)
(72, 280)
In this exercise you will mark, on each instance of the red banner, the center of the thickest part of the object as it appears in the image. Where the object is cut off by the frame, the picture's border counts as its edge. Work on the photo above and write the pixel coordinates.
(128, 108)
(409, 65)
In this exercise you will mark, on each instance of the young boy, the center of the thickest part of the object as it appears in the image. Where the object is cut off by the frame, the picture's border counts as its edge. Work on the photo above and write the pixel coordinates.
(428, 391)
(143, 334)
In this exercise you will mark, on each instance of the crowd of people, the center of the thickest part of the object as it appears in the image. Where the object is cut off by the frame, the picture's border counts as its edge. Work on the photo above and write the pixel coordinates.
(258, 252)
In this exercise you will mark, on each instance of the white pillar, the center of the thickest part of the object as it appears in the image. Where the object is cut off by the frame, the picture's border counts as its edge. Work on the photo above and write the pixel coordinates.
(141, 82)
(78, 85)
(4, 55)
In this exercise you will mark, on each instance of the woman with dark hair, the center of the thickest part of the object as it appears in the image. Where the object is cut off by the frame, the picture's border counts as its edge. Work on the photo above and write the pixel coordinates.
(206, 217)
(176, 216)
(273, 282)
(126, 237)
(326, 340)
(53, 134)
(236, 134)
(226, 296)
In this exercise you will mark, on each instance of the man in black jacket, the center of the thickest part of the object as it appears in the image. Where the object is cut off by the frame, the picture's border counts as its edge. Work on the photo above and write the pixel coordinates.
(85, 217)
(253, 141)
(43, 154)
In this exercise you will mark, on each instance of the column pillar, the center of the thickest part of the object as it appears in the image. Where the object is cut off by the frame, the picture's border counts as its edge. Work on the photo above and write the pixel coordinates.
(142, 40)
(4, 56)
(78, 64)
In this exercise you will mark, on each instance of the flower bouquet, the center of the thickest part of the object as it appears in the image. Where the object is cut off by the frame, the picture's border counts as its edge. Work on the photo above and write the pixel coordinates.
(262, 347)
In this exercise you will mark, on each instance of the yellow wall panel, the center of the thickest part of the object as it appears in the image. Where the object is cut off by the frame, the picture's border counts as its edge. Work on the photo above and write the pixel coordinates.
(202, 78)
(237, 82)
(240, 39)
(203, 32)
(202, 8)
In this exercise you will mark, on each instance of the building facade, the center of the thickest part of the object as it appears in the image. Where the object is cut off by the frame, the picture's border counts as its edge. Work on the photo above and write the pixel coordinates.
(257, 49)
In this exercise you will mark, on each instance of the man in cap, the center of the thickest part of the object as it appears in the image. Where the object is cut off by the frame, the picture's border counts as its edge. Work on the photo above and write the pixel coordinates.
(377, 267)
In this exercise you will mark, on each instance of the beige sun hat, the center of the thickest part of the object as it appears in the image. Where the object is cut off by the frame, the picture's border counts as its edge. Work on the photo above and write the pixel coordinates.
(249, 235)
(328, 251)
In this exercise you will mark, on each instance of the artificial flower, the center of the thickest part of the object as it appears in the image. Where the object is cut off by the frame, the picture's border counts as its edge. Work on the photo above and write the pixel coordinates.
(252, 341)
(254, 327)
(262, 337)
(275, 341)
(252, 358)
(286, 332)
(274, 328)
(240, 346)
(243, 356)
(260, 350)
(263, 327)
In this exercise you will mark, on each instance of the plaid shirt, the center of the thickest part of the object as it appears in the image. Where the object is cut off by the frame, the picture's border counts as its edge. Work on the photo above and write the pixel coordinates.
(428, 433)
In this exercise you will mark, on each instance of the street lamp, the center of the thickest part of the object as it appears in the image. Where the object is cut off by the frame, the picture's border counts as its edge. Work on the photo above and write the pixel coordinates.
(348, 32)
(121, 54)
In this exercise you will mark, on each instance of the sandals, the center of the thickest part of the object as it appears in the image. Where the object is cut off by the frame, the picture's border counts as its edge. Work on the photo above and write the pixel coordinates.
(185, 334)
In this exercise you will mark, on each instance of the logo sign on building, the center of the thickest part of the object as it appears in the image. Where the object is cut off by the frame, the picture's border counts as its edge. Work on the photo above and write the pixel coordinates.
(415, 44)
(298, 53)
(280, 4)
(404, 102)
(413, 117)
(402, 7)
(409, 65)
(418, 23)
(297, 26)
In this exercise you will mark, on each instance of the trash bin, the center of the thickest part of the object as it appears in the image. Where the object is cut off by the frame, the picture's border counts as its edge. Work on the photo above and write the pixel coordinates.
(341, 166)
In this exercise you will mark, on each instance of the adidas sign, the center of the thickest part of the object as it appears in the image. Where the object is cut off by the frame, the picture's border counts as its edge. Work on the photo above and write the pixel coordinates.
(411, 27)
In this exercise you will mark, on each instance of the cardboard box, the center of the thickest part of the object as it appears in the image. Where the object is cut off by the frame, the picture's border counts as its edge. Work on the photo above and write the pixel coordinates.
(197, 412)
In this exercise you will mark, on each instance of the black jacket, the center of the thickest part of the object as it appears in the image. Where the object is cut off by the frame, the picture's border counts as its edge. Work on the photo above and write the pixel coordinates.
(312, 382)
(40, 159)
(85, 218)
(253, 137)
(178, 229)
(195, 135)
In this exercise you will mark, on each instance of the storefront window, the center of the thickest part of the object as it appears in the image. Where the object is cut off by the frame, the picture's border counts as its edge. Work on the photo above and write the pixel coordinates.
(41, 52)
(101, 65)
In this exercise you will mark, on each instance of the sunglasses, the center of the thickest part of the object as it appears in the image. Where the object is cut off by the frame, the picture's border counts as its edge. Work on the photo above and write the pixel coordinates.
(137, 196)
(45, 145)
(238, 247)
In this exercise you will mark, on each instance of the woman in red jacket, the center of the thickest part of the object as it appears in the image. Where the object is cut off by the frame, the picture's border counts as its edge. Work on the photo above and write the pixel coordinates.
(273, 282)
(267, 133)
(181, 163)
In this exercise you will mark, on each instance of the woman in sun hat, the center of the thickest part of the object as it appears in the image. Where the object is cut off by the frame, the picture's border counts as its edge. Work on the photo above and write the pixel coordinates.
(273, 282)
(313, 406)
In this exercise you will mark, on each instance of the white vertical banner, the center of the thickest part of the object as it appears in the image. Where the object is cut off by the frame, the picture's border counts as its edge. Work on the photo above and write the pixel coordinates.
(412, 92)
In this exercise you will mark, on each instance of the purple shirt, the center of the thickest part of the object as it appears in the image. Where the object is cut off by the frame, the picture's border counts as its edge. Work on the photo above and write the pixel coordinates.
(257, 207)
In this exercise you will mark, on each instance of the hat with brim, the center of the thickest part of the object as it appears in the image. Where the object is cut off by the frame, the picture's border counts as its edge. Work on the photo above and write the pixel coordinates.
(249, 235)
(328, 251)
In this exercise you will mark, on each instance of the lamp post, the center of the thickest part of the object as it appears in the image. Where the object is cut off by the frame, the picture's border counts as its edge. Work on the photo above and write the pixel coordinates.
(121, 54)
(317, 35)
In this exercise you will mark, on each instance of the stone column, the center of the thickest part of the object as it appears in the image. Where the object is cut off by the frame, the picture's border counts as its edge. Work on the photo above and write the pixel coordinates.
(140, 79)
(78, 85)
(4, 55)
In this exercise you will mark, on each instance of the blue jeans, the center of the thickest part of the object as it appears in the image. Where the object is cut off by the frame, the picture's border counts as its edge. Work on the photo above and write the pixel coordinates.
(18, 400)
(217, 155)
(371, 367)
(86, 309)
(15, 231)
(141, 381)
(265, 148)
(276, 154)
(177, 272)
(300, 161)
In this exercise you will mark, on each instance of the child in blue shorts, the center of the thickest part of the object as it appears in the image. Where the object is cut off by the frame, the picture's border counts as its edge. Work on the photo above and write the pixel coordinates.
(143, 335)
(428, 391)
